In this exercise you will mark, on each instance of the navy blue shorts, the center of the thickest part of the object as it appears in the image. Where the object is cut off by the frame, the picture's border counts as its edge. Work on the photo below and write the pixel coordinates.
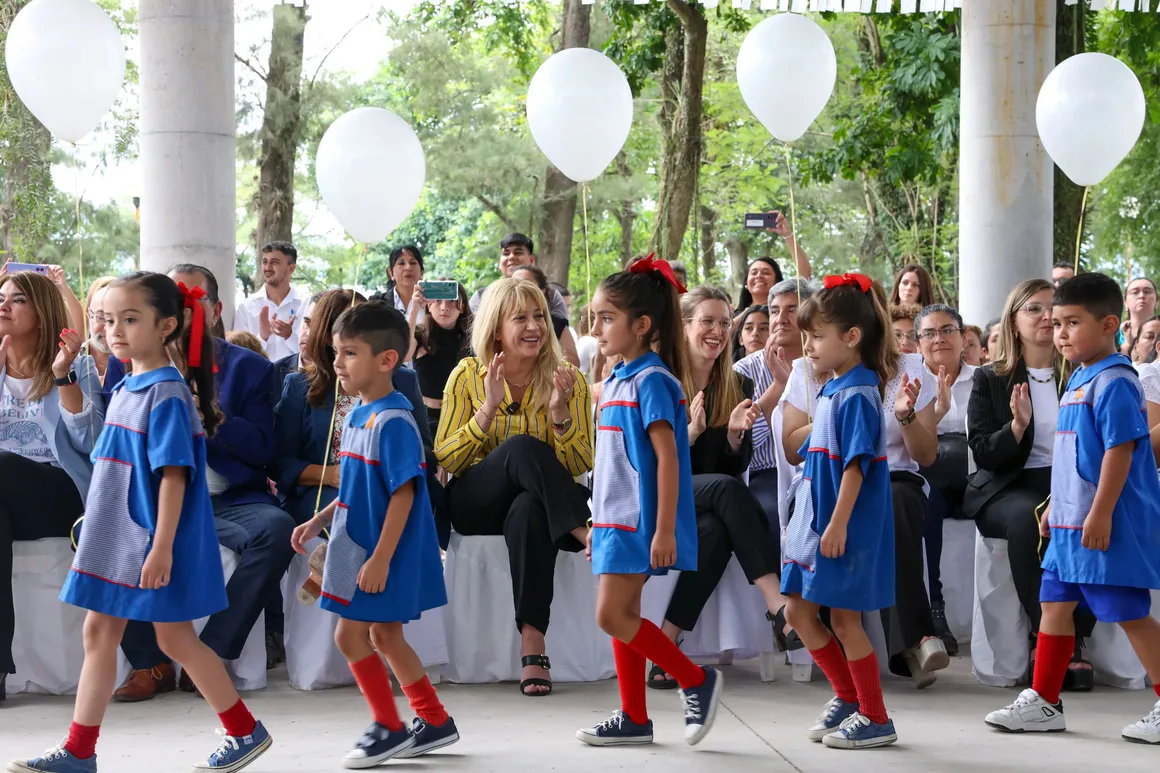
(1109, 603)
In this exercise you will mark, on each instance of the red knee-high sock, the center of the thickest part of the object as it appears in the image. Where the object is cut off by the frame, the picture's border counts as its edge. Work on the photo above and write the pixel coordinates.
(868, 684)
(833, 663)
(654, 645)
(82, 740)
(425, 702)
(237, 720)
(630, 677)
(372, 678)
(1052, 656)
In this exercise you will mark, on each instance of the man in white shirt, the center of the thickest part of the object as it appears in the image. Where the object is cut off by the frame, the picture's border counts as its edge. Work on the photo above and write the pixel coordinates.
(274, 313)
(517, 250)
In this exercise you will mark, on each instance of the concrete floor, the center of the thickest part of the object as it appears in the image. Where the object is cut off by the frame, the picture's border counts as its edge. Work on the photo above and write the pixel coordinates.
(760, 728)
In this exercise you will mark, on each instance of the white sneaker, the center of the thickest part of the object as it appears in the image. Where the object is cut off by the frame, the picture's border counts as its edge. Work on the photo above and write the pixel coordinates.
(1029, 714)
(1147, 730)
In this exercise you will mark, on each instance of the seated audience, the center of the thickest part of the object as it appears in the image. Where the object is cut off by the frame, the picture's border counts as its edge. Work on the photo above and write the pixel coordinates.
(52, 414)
(940, 335)
(1143, 348)
(441, 342)
(750, 332)
(1062, 270)
(515, 431)
(560, 326)
(518, 250)
(1140, 300)
(902, 321)
(292, 362)
(912, 287)
(990, 340)
(680, 272)
(973, 352)
(1011, 420)
(249, 521)
(246, 340)
(95, 346)
(730, 521)
(586, 347)
(274, 313)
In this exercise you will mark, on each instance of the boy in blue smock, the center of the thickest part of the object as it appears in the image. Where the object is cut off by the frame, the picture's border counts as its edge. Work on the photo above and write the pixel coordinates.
(383, 566)
(1104, 517)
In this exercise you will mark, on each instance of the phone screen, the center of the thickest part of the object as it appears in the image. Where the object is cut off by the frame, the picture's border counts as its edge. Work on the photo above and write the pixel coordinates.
(440, 290)
(37, 267)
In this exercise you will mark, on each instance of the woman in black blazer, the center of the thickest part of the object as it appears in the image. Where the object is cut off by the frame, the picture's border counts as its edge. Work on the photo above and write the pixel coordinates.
(1011, 422)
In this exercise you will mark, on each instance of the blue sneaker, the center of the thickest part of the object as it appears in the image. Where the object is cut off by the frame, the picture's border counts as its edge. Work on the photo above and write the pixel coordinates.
(57, 760)
(701, 705)
(833, 715)
(617, 730)
(858, 732)
(236, 752)
(378, 745)
(429, 737)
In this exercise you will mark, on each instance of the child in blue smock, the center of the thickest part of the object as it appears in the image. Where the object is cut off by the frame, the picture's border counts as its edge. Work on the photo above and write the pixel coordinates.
(1104, 516)
(149, 548)
(643, 519)
(839, 547)
(383, 566)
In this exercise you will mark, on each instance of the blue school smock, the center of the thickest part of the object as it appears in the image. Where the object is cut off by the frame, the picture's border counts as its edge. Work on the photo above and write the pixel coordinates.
(381, 450)
(848, 427)
(151, 423)
(1104, 407)
(624, 491)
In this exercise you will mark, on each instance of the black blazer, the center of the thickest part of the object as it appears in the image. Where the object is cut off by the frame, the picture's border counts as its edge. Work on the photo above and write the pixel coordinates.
(712, 453)
(999, 458)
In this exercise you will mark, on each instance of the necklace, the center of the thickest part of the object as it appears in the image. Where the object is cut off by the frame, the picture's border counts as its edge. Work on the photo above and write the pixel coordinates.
(514, 384)
(1033, 377)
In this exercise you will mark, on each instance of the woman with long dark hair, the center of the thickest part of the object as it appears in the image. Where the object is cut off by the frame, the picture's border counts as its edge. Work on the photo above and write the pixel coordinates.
(440, 343)
(750, 332)
(912, 285)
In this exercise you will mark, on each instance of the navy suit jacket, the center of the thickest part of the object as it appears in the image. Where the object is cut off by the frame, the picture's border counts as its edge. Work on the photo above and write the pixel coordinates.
(243, 446)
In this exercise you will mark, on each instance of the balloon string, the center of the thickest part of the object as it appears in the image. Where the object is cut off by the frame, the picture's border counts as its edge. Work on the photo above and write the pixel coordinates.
(797, 274)
(1079, 232)
(337, 392)
(587, 253)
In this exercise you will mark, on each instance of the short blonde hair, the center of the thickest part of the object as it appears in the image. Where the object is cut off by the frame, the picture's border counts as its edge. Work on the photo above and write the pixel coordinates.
(502, 299)
(246, 340)
(100, 283)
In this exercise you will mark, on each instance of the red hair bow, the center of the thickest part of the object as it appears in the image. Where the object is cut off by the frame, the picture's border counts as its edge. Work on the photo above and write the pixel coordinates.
(651, 264)
(192, 298)
(861, 281)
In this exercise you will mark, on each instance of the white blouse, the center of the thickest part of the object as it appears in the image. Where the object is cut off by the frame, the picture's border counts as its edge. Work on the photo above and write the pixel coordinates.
(956, 418)
(1044, 415)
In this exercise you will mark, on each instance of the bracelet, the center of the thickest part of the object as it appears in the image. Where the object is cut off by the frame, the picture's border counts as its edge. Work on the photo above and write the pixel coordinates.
(589, 522)
(908, 419)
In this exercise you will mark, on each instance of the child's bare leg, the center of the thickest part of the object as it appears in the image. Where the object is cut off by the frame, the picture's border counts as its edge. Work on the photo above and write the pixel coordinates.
(181, 644)
(1145, 637)
(803, 616)
(1057, 618)
(353, 638)
(102, 637)
(848, 628)
(388, 639)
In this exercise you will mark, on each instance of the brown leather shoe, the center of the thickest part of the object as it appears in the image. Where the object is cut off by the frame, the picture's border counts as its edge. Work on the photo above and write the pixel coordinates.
(185, 683)
(144, 683)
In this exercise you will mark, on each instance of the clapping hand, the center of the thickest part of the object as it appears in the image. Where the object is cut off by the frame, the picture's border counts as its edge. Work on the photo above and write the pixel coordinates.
(775, 360)
(264, 328)
(1021, 406)
(564, 382)
(493, 383)
(741, 420)
(282, 329)
(942, 402)
(69, 348)
(696, 417)
(907, 397)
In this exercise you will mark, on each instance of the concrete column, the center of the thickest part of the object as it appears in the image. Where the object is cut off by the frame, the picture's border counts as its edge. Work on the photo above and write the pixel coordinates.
(187, 138)
(1005, 179)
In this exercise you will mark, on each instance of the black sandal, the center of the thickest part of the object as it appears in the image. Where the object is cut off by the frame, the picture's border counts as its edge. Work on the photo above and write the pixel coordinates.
(1079, 679)
(660, 684)
(539, 661)
(785, 642)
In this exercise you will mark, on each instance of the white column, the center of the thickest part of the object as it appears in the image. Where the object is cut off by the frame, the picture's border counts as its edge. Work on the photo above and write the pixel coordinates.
(1005, 178)
(187, 138)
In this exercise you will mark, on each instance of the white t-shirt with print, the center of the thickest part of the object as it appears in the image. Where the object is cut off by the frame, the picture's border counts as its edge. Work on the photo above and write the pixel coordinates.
(24, 429)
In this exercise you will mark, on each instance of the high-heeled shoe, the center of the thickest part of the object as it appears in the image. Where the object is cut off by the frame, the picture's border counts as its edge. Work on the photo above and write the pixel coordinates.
(3, 693)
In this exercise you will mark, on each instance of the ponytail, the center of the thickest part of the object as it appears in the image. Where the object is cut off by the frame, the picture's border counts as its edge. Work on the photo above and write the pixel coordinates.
(200, 376)
(855, 301)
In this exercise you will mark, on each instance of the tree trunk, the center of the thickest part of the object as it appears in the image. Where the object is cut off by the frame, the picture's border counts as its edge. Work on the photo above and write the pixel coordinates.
(1068, 197)
(281, 125)
(708, 243)
(738, 263)
(560, 200)
(625, 213)
(683, 140)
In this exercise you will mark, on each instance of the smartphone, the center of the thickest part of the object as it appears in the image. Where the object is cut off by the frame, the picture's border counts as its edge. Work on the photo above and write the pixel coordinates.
(761, 221)
(39, 268)
(440, 290)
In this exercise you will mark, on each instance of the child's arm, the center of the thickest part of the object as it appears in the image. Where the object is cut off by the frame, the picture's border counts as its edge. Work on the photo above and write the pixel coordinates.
(795, 431)
(372, 578)
(834, 539)
(159, 562)
(1097, 527)
(312, 528)
(664, 443)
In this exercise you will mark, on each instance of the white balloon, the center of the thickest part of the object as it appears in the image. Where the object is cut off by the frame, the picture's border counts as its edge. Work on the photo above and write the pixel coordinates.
(66, 61)
(370, 170)
(1090, 112)
(580, 111)
(786, 70)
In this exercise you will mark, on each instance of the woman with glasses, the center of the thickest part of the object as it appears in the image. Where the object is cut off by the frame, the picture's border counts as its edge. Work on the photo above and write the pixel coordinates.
(1140, 301)
(1011, 423)
(95, 346)
(902, 318)
(941, 336)
(729, 519)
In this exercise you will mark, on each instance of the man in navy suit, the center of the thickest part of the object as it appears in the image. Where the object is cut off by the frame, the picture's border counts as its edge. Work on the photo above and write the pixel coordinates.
(249, 520)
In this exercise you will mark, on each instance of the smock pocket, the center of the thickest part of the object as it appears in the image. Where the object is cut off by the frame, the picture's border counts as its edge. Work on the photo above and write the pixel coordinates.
(801, 544)
(344, 560)
(113, 546)
(616, 484)
(1071, 495)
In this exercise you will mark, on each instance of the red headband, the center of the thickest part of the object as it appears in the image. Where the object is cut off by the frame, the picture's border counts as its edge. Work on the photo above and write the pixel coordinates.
(861, 281)
(192, 298)
(650, 264)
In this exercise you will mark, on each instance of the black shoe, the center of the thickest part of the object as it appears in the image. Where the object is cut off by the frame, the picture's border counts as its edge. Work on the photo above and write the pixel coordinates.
(943, 631)
(275, 650)
(3, 689)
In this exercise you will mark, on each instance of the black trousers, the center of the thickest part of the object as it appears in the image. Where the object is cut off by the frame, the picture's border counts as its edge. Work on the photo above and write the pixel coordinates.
(36, 501)
(521, 490)
(909, 621)
(1010, 515)
(729, 521)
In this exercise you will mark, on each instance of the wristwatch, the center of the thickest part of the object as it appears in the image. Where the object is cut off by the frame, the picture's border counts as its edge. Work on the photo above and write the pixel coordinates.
(909, 418)
(563, 426)
(68, 380)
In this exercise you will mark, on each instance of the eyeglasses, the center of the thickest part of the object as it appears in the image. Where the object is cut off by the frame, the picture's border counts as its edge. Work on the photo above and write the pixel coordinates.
(902, 335)
(1036, 309)
(946, 331)
(708, 323)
